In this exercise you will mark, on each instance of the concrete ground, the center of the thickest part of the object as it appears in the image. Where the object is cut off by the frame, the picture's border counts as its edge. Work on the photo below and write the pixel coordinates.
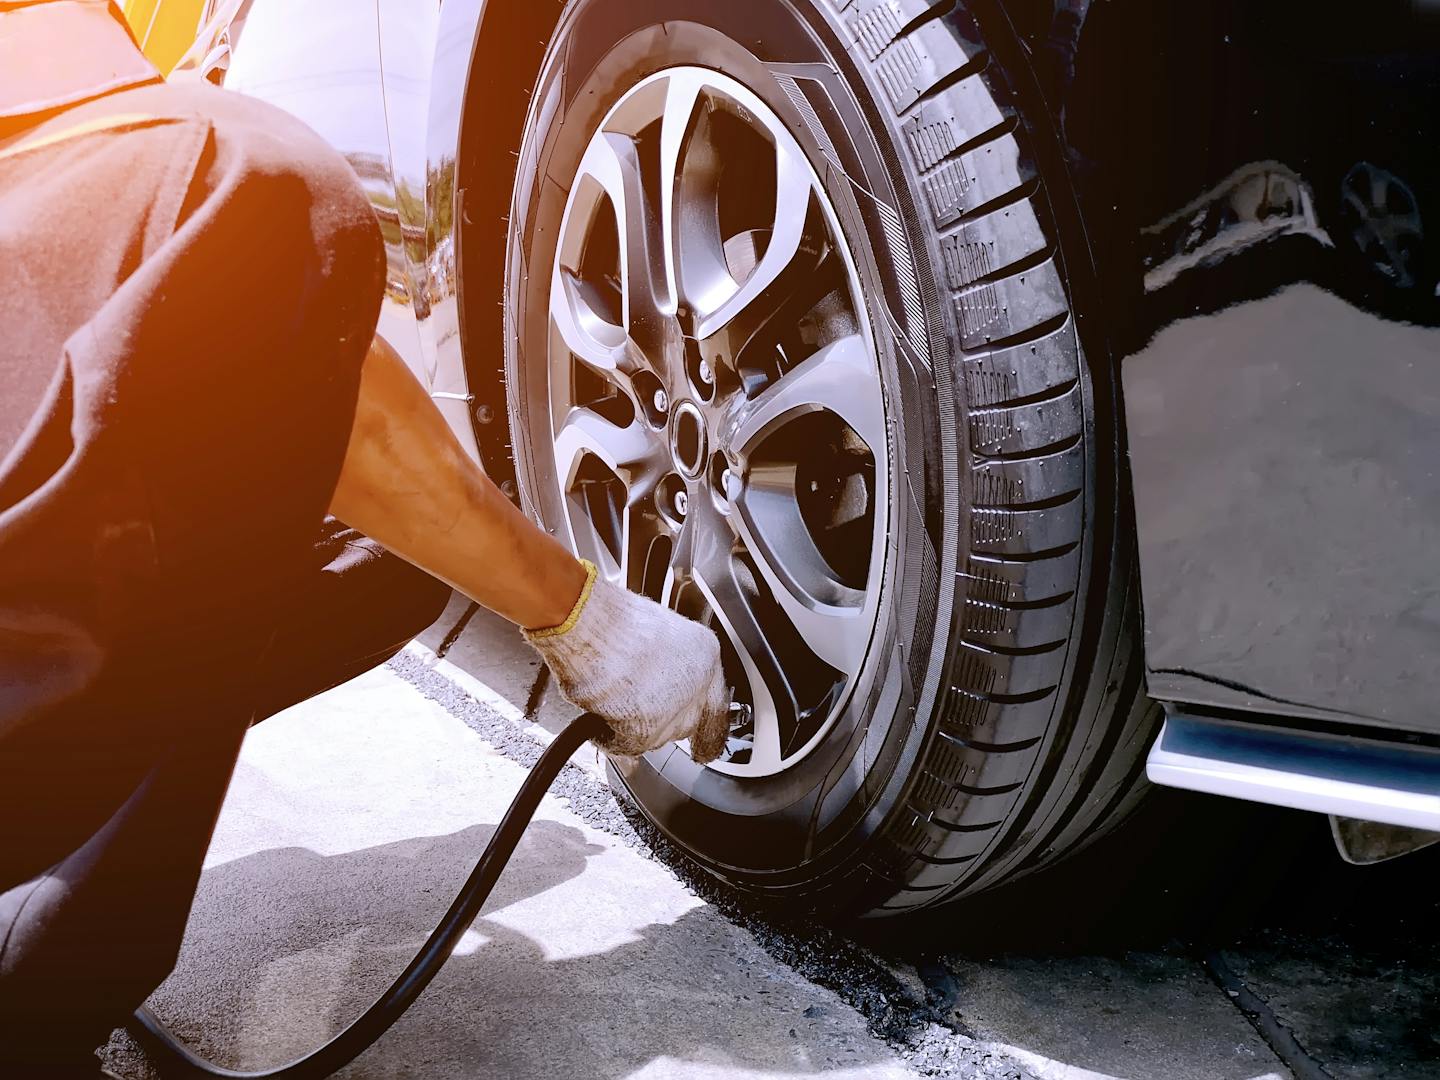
(1207, 941)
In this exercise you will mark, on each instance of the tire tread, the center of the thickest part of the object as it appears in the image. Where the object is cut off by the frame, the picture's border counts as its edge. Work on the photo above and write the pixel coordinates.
(1000, 726)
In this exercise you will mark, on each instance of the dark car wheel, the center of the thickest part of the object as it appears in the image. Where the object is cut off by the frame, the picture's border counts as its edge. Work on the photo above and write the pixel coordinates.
(793, 349)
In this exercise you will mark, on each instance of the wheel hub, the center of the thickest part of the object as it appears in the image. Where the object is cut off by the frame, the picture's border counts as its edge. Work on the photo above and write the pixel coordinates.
(688, 440)
(717, 416)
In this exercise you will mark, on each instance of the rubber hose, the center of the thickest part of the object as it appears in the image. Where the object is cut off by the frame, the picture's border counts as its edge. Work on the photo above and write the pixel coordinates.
(176, 1060)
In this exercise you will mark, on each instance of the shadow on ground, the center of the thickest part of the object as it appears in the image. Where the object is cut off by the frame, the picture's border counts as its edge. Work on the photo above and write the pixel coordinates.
(288, 945)
(1192, 869)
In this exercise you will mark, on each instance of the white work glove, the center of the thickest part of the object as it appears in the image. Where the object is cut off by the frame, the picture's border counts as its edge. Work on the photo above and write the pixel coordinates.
(654, 676)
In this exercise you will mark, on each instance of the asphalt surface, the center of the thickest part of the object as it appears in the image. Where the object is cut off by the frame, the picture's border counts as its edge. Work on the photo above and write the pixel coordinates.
(1205, 940)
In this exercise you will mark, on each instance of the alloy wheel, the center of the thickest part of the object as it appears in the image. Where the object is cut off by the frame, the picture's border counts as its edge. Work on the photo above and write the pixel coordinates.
(717, 418)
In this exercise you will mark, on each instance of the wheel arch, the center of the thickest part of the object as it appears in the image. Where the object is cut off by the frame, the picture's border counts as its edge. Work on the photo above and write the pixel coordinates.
(489, 111)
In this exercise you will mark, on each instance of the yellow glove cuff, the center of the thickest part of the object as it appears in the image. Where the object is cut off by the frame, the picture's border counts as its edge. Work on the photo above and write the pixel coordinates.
(570, 620)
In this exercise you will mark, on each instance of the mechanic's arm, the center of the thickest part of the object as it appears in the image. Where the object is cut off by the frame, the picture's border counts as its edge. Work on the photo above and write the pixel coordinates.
(407, 483)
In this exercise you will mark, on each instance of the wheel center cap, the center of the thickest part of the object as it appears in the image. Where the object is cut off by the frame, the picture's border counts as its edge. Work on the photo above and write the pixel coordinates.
(689, 440)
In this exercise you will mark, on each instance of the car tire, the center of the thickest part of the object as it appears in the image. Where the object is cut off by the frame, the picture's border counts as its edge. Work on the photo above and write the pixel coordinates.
(997, 721)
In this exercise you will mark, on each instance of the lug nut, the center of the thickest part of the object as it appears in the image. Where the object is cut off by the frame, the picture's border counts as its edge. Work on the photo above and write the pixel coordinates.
(682, 503)
(706, 375)
(662, 402)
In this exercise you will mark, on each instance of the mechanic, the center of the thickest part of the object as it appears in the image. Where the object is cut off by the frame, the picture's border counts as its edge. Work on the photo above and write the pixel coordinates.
(189, 287)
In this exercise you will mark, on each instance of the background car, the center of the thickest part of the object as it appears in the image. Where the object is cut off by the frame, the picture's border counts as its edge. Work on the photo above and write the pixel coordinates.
(902, 342)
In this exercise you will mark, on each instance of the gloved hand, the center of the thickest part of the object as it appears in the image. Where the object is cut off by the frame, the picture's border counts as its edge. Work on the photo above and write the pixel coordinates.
(653, 675)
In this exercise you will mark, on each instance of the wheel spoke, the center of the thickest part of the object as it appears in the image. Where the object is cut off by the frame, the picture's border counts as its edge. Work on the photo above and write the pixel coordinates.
(767, 751)
(618, 506)
(612, 162)
(755, 330)
(828, 616)
(634, 530)
(643, 529)
(839, 378)
(794, 189)
(629, 451)
(587, 334)
(773, 697)
(689, 175)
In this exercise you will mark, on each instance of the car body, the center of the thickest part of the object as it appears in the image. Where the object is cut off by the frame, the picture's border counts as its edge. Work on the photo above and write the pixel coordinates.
(1280, 389)
(1252, 184)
